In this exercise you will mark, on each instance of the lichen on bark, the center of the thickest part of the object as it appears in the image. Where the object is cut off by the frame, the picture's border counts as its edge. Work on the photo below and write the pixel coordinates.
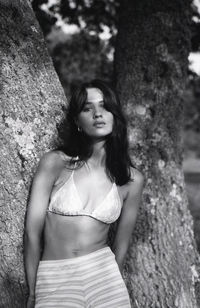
(152, 47)
(31, 105)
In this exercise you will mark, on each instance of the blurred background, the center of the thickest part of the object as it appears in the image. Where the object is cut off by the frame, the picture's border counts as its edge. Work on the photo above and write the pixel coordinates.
(80, 36)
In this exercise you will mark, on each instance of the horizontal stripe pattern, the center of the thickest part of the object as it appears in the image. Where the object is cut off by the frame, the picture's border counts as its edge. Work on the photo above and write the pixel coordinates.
(89, 281)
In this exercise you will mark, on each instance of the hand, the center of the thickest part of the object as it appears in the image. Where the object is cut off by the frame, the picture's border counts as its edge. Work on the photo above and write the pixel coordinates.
(30, 302)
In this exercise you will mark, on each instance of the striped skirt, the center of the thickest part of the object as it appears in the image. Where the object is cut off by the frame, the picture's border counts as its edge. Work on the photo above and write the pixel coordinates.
(90, 281)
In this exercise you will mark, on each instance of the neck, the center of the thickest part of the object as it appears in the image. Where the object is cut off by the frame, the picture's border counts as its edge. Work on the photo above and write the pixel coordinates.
(98, 155)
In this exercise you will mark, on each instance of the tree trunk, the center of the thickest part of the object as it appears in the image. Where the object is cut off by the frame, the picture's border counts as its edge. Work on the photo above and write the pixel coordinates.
(151, 69)
(31, 99)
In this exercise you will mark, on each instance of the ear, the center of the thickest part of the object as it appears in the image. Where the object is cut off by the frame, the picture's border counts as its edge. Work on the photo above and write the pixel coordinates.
(76, 121)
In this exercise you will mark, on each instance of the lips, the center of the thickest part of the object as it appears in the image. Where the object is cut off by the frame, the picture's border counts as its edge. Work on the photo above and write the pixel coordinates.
(99, 123)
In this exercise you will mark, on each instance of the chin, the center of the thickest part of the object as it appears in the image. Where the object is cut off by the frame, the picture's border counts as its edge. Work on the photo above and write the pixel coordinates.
(100, 135)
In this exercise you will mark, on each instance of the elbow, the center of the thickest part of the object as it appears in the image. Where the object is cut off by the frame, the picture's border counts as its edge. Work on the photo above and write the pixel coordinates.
(32, 244)
(31, 236)
(120, 251)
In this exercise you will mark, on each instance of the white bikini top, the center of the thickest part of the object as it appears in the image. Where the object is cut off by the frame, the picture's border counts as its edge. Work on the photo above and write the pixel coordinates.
(66, 201)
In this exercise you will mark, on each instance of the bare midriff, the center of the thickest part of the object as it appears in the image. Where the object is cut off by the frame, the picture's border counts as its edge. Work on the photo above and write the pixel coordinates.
(72, 236)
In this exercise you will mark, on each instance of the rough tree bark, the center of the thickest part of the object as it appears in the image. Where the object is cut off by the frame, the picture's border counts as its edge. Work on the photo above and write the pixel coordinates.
(151, 67)
(31, 99)
(151, 63)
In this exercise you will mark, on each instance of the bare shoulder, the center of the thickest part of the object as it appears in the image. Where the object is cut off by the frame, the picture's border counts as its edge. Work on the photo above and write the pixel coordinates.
(50, 159)
(50, 162)
(137, 176)
(137, 181)
(64, 157)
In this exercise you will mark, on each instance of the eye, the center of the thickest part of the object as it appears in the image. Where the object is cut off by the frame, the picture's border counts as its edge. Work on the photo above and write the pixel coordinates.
(86, 108)
(103, 106)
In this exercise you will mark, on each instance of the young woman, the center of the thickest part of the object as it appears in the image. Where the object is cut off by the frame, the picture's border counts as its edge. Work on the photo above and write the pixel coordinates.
(76, 194)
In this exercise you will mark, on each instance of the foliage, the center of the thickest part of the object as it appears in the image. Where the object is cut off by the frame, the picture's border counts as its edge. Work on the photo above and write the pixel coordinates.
(195, 29)
(84, 56)
(81, 57)
(90, 14)
(192, 93)
(46, 20)
(192, 104)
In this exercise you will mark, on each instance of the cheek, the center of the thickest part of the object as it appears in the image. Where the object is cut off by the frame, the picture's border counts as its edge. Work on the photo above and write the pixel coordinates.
(83, 120)
(111, 119)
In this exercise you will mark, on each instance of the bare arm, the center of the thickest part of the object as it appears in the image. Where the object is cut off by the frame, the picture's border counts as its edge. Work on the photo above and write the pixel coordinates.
(36, 212)
(128, 218)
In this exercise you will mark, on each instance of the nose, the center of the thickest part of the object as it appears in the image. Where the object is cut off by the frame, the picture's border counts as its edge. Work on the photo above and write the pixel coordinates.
(97, 113)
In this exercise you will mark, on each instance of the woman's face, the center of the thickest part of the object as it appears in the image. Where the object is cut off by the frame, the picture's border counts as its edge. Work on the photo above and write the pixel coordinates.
(94, 120)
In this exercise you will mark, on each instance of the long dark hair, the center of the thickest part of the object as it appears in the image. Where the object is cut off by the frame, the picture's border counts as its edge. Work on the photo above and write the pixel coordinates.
(78, 144)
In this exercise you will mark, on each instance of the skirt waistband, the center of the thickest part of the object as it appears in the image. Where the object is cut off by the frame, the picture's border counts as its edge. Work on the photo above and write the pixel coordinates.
(97, 253)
